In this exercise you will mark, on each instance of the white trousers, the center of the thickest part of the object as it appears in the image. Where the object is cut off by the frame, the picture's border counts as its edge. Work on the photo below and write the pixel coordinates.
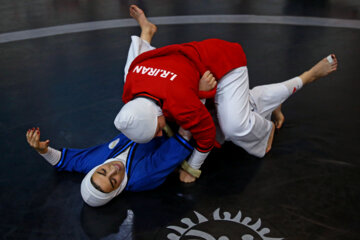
(137, 47)
(243, 115)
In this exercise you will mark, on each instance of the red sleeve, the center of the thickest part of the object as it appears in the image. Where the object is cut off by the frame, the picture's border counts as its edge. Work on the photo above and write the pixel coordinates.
(192, 115)
(207, 94)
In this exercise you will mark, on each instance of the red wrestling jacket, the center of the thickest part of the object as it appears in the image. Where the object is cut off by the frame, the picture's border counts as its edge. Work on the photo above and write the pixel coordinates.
(170, 76)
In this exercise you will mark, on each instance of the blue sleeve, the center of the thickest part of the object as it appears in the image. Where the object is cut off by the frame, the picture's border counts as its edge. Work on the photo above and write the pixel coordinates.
(83, 160)
(80, 160)
(152, 170)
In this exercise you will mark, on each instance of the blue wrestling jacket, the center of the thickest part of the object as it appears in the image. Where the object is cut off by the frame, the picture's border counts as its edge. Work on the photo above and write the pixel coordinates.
(147, 165)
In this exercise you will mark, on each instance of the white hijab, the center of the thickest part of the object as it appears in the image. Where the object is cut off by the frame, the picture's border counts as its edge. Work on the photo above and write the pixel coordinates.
(94, 197)
(137, 119)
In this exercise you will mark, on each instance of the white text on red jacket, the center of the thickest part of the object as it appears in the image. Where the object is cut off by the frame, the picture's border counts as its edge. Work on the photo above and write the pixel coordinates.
(155, 72)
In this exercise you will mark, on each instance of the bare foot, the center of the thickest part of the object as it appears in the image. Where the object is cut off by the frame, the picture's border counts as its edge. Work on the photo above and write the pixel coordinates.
(278, 117)
(271, 139)
(148, 29)
(207, 82)
(321, 69)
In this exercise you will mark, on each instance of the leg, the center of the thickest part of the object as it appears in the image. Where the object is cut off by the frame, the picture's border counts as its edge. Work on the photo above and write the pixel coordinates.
(142, 44)
(237, 120)
(148, 29)
(319, 70)
(267, 99)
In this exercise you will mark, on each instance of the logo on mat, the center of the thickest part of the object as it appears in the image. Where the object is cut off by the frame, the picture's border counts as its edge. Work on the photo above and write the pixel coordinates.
(114, 143)
(237, 227)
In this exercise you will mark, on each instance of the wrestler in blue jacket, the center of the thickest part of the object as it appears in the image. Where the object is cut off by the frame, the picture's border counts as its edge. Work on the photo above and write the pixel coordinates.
(117, 165)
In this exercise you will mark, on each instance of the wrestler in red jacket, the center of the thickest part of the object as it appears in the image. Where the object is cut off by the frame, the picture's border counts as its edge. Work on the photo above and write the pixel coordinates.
(170, 77)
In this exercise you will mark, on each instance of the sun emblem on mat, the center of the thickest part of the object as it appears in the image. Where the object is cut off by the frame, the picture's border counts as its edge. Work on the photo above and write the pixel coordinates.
(237, 227)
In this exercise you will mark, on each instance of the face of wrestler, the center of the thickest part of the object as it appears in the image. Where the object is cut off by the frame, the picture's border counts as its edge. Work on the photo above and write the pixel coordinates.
(160, 125)
(108, 176)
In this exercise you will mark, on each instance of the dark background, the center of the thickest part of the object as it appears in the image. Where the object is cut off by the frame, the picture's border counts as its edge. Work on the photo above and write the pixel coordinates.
(70, 85)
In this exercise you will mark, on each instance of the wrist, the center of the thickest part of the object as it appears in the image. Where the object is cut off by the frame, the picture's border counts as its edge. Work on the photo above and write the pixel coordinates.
(193, 172)
(42, 151)
(52, 155)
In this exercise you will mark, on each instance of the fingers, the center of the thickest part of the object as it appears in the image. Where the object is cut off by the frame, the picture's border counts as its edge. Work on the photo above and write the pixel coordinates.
(213, 82)
(207, 81)
(29, 134)
(36, 134)
(209, 77)
(33, 136)
(206, 74)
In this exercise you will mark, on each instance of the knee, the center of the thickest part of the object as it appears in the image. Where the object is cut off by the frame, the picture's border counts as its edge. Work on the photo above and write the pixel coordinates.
(233, 128)
(261, 94)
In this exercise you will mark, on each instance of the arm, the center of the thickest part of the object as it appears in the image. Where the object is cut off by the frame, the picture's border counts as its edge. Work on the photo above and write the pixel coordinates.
(184, 175)
(206, 84)
(153, 168)
(207, 89)
(75, 160)
(51, 155)
(193, 116)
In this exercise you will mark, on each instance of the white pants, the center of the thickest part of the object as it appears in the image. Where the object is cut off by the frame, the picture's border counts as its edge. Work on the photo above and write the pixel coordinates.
(137, 47)
(243, 115)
